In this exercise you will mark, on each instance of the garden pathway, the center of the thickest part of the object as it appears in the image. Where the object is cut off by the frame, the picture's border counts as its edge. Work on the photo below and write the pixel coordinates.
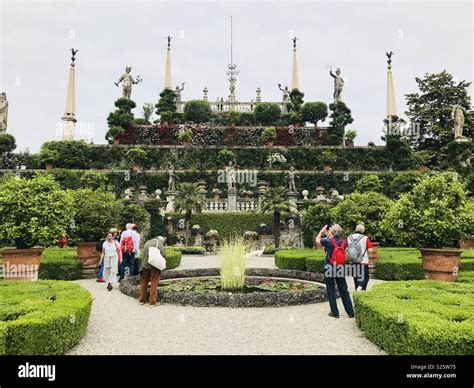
(119, 325)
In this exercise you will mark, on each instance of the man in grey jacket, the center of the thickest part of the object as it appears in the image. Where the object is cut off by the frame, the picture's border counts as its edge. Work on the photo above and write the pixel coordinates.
(148, 273)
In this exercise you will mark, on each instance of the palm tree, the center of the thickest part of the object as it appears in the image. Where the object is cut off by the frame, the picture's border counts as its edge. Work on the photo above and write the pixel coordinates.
(275, 200)
(188, 200)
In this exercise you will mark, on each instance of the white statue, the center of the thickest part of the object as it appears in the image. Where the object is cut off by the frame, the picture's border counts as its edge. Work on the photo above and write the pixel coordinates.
(128, 193)
(286, 93)
(338, 84)
(230, 173)
(291, 179)
(172, 179)
(457, 114)
(178, 91)
(127, 82)
(3, 113)
(232, 81)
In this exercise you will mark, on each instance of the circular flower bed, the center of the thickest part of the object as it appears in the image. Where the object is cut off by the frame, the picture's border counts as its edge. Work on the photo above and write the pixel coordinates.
(263, 287)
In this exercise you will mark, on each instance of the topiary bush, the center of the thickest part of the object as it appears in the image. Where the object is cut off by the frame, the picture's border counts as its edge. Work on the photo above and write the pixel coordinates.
(66, 153)
(46, 317)
(369, 183)
(60, 264)
(267, 113)
(190, 250)
(418, 317)
(293, 258)
(33, 211)
(173, 258)
(197, 111)
(315, 262)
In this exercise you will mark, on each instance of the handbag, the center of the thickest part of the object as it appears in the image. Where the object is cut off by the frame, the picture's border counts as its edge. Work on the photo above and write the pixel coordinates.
(155, 258)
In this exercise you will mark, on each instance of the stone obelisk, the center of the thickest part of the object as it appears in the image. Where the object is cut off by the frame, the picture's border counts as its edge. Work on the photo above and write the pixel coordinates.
(168, 65)
(69, 118)
(295, 83)
(391, 105)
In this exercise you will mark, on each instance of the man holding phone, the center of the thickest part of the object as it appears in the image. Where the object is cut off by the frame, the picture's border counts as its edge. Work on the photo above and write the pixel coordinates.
(331, 242)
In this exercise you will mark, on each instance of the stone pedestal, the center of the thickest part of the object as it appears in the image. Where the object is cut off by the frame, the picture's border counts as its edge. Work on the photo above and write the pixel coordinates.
(170, 197)
(292, 197)
(232, 200)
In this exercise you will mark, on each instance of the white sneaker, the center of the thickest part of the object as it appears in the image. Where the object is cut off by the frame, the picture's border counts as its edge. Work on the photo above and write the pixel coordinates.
(359, 288)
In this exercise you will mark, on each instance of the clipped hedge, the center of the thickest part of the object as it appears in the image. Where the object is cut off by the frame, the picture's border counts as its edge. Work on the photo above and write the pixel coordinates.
(406, 264)
(173, 258)
(293, 258)
(230, 224)
(60, 264)
(190, 250)
(315, 263)
(466, 277)
(46, 317)
(418, 317)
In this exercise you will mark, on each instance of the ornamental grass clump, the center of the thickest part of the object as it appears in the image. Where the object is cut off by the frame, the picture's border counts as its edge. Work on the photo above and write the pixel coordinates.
(233, 265)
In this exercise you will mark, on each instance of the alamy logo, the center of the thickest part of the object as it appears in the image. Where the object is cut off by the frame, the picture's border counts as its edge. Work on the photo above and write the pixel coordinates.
(238, 176)
(28, 371)
(25, 271)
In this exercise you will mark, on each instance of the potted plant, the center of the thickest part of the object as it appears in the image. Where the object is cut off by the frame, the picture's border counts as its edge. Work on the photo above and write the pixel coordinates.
(114, 134)
(48, 158)
(35, 213)
(423, 158)
(212, 235)
(136, 157)
(250, 235)
(216, 193)
(328, 159)
(269, 135)
(432, 217)
(96, 212)
(195, 229)
(350, 135)
(185, 136)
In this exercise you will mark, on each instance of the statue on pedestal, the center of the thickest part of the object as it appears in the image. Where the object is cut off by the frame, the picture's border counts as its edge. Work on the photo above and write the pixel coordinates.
(338, 84)
(230, 175)
(457, 114)
(233, 81)
(291, 180)
(286, 93)
(3, 113)
(172, 179)
(178, 91)
(127, 82)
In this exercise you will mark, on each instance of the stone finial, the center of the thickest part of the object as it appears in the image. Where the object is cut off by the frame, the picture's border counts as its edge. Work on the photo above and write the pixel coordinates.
(157, 194)
(305, 195)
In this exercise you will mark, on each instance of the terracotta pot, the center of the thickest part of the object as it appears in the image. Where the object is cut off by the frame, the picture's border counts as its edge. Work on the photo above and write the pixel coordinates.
(349, 143)
(136, 167)
(116, 141)
(422, 168)
(21, 264)
(87, 254)
(373, 256)
(49, 166)
(326, 168)
(441, 264)
(467, 243)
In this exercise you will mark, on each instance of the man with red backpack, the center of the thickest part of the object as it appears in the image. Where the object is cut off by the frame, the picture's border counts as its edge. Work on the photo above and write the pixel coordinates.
(334, 260)
(127, 245)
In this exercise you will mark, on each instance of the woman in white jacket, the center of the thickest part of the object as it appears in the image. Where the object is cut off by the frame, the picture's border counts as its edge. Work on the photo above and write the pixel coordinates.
(111, 257)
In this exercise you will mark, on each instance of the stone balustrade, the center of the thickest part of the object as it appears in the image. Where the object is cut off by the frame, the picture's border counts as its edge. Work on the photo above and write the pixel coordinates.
(226, 106)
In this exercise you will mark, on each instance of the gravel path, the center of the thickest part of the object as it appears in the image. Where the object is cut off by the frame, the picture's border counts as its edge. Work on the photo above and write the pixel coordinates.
(119, 325)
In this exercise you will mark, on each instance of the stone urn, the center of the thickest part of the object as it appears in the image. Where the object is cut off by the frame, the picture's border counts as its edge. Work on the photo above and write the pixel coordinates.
(216, 194)
(21, 264)
(135, 167)
(441, 264)
(326, 168)
(373, 256)
(89, 258)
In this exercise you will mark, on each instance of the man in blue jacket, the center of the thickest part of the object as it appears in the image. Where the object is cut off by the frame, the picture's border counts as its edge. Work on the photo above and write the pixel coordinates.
(331, 275)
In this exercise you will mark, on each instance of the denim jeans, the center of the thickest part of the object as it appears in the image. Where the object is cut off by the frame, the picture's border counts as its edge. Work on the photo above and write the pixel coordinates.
(364, 279)
(345, 296)
(100, 275)
(127, 261)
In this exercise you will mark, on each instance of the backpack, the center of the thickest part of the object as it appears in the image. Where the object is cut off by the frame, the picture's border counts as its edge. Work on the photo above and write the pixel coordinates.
(127, 244)
(338, 256)
(354, 250)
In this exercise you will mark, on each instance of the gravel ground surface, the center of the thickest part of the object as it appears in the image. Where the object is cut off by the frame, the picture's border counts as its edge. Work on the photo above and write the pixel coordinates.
(119, 325)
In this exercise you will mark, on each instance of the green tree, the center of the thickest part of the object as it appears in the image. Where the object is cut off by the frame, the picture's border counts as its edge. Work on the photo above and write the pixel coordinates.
(432, 215)
(33, 211)
(397, 145)
(314, 112)
(148, 109)
(296, 101)
(370, 182)
(340, 117)
(314, 218)
(66, 153)
(368, 209)
(188, 200)
(404, 183)
(122, 116)
(267, 113)
(131, 212)
(7, 143)
(429, 110)
(94, 180)
(275, 201)
(197, 111)
(96, 211)
(167, 102)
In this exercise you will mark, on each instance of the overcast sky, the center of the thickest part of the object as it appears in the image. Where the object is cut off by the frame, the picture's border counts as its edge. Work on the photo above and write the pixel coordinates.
(352, 35)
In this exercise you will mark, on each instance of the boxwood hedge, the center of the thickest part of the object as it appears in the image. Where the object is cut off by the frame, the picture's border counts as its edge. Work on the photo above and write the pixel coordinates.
(173, 258)
(418, 317)
(299, 259)
(60, 264)
(43, 317)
